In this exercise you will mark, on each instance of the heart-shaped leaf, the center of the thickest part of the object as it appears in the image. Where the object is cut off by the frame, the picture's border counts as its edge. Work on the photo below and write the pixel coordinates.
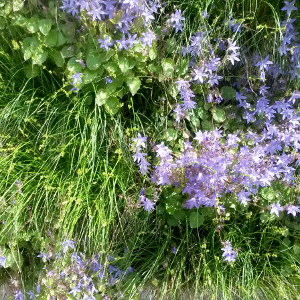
(133, 84)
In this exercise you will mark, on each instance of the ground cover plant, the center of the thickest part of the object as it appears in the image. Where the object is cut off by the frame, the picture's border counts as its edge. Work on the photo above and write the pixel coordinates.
(149, 149)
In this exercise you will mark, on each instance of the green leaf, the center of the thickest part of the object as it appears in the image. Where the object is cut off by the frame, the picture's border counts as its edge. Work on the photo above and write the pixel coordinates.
(268, 193)
(207, 125)
(182, 67)
(111, 87)
(101, 96)
(61, 39)
(171, 134)
(296, 248)
(32, 24)
(196, 219)
(201, 112)
(152, 53)
(160, 209)
(39, 57)
(112, 68)
(133, 84)
(118, 81)
(58, 59)
(228, 92)
(18, 5)
(149, 191)
(67, 51)
(123, 64)
(89, 76)
(178, 215)
(45, 26)
(93, 62)
(173, 90)
(168, 66)
(51, 38)
(286, 241)
(14, 260)
(74, 66)
(219, 115)
(112, 104)
(32, 71)
(172, 221)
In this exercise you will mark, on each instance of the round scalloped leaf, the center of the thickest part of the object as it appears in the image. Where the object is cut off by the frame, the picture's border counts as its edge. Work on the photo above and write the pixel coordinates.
(219, 115)
(178, 215)
(133, 84)
(160, 209)
(51, 38)
(39, 57)
(32, 24)
(168, 66)
(171, 134)
(101, 96)
(172, 221)
(67, 51)
(268, 193)
(112, 104)
(152, 53)
(93, 62)
(196, 219)
(112, 68)
(207, 125)
(89, 76)
(74, 66)
(45, 26)
(18, 5)
(296, 248)
(123, 64)
(228, 92)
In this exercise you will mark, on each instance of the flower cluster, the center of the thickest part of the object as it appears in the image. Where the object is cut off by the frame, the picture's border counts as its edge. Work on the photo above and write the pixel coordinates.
(139, 157)
(176, 20)
(78, 278)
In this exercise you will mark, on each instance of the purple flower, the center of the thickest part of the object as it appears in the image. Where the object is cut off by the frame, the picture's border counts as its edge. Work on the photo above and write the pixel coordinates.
(140, 141)
(18, 295)
(162, 150)
(31, 294)
(44, 257)
(276, 208)
(131, 40)
(76, 78)
(2, 260)
(148, 38)
(205, 15)
(108, 80)
(233, 47)
(70, 6)
(263, 64)
(122, 43)
(66, 245)
(289, 7)
(234, 57)
(174, 250)
(148, 204)
(180, 112)
(292, 209)
(199, 74)
(74, 291)
(228, 253)
(105, 43)
(176, 19)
